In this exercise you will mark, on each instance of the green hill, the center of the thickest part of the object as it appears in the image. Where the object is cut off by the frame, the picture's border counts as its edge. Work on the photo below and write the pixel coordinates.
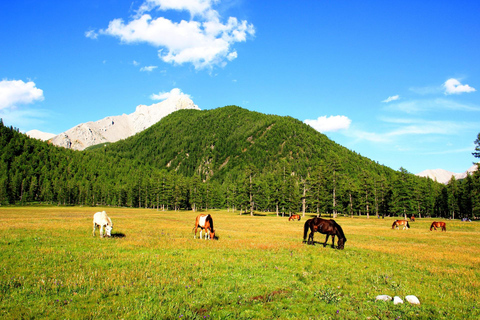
(223, 142)
(226, 157)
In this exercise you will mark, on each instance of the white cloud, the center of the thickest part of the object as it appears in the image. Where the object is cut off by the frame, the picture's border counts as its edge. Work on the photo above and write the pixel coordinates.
(91, 34)
(135, 63)
(194, 7)
(453, 86)
(165, 95)
(15, 92)
(204, 41)
(148, 68)
(392, 98)
(329, 124)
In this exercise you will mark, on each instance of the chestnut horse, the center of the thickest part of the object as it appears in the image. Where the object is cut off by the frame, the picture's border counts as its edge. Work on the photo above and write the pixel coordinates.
(204, 222)
(294, 217)
(439, 224)
(412, 218)
(398, 223)
(328, 227)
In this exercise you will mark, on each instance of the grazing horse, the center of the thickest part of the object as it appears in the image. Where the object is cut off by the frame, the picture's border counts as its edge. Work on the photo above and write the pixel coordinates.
(412, 218)
(439, 224)
(398, 223)
(294, 217)
(328, 227)
(204, 222)
(100, 219)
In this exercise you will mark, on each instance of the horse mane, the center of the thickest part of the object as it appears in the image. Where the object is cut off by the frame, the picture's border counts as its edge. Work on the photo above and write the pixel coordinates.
(339, 230)
(210, 220)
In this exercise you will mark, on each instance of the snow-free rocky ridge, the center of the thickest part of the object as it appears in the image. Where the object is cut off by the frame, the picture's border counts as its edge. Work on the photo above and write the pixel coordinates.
(115, 128)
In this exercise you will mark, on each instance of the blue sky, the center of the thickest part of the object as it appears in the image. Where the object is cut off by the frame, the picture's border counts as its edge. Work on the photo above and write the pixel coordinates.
(395, 81)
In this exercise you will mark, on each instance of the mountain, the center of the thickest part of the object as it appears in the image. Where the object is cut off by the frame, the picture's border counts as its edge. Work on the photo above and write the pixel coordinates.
(443, 176)
(227, 157)
(37, 134)
(115, 128)
(223, 142)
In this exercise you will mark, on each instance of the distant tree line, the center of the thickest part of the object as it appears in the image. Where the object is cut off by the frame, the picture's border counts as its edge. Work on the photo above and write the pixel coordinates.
(32, 171)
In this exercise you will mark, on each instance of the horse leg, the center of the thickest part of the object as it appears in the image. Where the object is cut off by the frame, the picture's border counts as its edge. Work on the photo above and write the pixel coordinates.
(333, 241)
(101, 231)
(310, 238)
(326, 239)
(94, 227)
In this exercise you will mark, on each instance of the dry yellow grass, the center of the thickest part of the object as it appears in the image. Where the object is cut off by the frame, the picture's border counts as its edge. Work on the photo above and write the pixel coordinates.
(258, 268)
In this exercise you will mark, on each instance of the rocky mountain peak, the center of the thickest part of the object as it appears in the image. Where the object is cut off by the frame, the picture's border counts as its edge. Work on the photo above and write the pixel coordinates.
(115, 128)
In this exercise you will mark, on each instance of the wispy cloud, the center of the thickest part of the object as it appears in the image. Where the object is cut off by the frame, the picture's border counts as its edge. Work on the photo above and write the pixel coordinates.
(392, 98)
(91, 34)
(329, 124)
(148, 68)
(453, 86)
(165, 95)
(17, 92)
(416, 106)
(25, 117)
(204, 41)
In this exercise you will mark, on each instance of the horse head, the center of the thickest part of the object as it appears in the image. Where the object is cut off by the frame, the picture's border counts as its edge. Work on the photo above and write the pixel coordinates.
(108, 229)
(341, 243)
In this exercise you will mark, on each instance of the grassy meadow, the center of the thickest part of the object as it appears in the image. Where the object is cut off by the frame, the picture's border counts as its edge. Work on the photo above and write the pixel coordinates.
(152, 268)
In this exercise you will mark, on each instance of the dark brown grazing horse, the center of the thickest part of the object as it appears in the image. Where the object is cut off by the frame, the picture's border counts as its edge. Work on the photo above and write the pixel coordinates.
(294, 217)
(204, 222)
(398, 223)
(412, 218)
(328, 227)
(439, 224)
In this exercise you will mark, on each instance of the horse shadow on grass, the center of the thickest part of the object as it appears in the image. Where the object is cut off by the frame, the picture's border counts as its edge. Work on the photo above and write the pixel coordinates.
(318, 242)
(118, 235)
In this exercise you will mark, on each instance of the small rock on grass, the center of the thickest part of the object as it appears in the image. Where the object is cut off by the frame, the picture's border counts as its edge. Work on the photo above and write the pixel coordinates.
(412, 299)
(397, 300)
(384, 297)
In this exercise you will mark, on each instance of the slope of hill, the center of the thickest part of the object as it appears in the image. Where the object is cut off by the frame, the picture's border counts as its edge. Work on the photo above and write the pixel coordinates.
(115, 128)
(224, 141)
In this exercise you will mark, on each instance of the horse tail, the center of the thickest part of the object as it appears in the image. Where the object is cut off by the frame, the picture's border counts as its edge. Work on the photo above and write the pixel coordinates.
(394, 223)
(408, 225)
(299, 218)
(305, 230)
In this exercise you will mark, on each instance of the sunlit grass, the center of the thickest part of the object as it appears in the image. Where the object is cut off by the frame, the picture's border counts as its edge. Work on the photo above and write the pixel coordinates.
(52, 267)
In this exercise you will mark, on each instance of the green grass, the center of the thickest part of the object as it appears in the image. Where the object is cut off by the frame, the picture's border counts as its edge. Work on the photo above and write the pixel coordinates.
(52, 267)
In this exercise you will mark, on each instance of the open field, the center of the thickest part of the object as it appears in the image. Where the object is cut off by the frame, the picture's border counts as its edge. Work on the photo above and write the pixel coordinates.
(52, 267)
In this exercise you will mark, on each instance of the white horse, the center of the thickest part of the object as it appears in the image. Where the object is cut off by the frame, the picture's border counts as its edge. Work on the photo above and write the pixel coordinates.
(101, 220)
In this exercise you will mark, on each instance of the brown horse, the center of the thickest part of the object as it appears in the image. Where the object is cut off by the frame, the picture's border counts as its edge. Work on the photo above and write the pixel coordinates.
(294, 217)
(204, 222)
(328, 227)
(398, 223)
(412, 218)
(439, 224)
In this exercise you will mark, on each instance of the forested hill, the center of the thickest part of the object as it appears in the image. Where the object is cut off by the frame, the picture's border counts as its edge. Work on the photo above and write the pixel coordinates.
(223, 143)
(222, 158)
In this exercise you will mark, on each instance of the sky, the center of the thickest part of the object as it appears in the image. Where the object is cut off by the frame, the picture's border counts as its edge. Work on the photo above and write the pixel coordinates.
(395, 81)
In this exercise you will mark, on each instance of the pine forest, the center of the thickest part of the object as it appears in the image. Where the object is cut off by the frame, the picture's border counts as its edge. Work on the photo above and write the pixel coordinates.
(228, 158)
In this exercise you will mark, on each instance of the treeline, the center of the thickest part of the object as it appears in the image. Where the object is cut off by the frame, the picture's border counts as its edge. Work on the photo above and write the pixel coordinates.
(34, 171)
